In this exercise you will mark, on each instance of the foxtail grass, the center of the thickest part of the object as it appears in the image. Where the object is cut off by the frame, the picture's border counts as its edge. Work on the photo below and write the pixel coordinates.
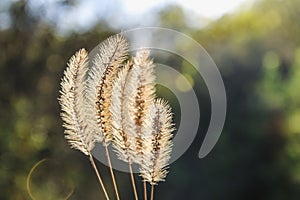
(110, 98)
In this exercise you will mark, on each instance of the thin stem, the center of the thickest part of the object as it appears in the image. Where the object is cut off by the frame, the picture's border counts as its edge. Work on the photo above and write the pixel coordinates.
(98, 175)
(152, 191)
(112, 173)
(145, 190)
(133, 183)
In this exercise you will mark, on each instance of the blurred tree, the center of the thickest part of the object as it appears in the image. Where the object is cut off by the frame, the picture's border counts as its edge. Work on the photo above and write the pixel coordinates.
(255, 52)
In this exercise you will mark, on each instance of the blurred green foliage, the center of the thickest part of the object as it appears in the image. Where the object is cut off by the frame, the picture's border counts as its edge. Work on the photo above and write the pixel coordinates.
(257, 157)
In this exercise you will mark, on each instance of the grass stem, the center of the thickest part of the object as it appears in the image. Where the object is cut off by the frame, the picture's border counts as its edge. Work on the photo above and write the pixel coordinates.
(152, 192)
(133, 183)
(98, 175)
(112, 173)
(145, 190)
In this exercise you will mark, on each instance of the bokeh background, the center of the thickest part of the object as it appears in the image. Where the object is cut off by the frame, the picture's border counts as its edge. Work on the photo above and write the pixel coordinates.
(256, 47)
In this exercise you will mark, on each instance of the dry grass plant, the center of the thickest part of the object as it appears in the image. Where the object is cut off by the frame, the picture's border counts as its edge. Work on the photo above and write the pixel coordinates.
(112, 101)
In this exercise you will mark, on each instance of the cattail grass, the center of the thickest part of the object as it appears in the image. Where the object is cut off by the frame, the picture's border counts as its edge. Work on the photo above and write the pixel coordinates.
(72, 101)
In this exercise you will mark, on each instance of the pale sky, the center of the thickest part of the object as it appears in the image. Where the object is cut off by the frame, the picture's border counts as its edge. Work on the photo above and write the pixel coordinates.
(122, 14)
(210, 8)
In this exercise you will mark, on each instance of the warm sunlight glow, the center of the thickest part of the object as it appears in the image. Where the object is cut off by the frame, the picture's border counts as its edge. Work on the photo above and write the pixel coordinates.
(210, 9)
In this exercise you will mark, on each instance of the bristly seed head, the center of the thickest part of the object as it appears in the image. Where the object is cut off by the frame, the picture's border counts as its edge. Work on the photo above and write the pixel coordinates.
(112, 53)
(113, 99)
(157, 142)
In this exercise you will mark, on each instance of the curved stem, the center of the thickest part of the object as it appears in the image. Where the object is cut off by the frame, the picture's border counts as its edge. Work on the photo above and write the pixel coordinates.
(112, 173)
(133, 183)
(98, 175)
